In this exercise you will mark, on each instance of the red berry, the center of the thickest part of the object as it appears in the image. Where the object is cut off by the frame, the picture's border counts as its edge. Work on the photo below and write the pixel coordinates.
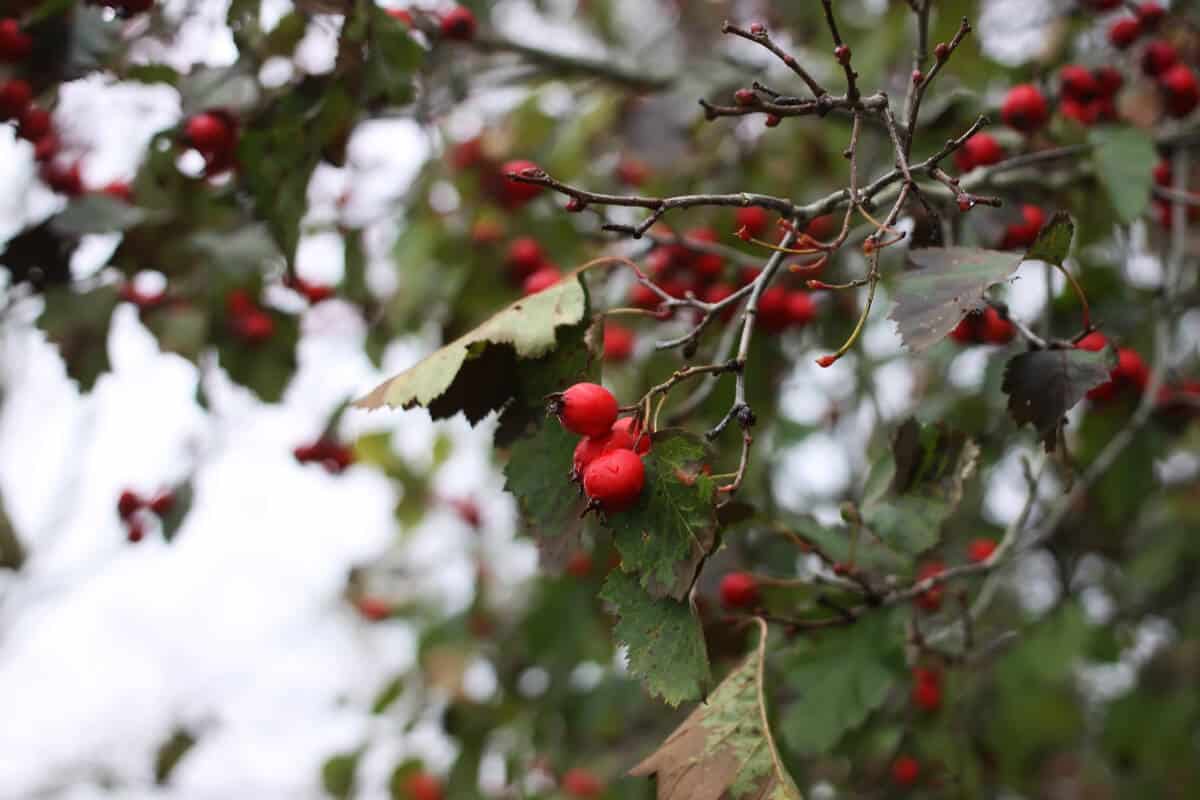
(1181, 89)
(772, 120)
(1131, 369)
(579, 565)
(163, 503)
(754, 219)
(927, 690)
(63, 179)
(45, 148)
(1077, 82)
(994, 328)
(773, 312)
(615, 480)
(739, 590)
(941, 51)
(905, 771)
(632, 171)
(618, 343)
(1162, 173)
(458, 24)
(209, 132)
(255, 326)
(517, 194)
(128, 503)
(964, 331)
(401, 14)
(1159, 56)
(465, 155)
(800, 308)
(1124, 32)
(1024, 108)
(821, 227)
(1109, 80)
(34, 123)
(15, 44)
(715, 293)
(525, 256)
(627, 433)
(623, 435)
(136, 531)
(119, 190)
(842, 54)
(979, 550)
(1094, 341)
(1150, 14)
(15, 96)
(931, 599)
(642, 296)
(587, 409)
(541, 280)
(745, 97)
(373, 608)
(1024, 233)
(980, 150)
(579, 782)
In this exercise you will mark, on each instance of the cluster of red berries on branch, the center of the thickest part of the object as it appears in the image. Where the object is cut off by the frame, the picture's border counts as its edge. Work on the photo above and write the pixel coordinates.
(1159, 59)
(494, 174)
(608, 459)
(529, 266)
(248, 320)
(988, 326)
(132, 507)
(332, 455)
(214, 135)
(1130, 374)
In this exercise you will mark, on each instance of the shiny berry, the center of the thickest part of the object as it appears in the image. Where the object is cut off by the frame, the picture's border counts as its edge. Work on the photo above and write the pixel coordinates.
(458, 24)
(1024, 108)
(980, 150)
(516, 193)
(587, 409)
(1181, 90)
(773, 312)
(755, 220)
(209, 132)
(1158, 57)
(980, 550)
(801, 309)
(614, 481)
(1077, 82)
(618, 343)
(994, 328)
(255, 327)
(1124, 32)
(1094, 341)
(965, 331)
(627, 433)
(739, 590)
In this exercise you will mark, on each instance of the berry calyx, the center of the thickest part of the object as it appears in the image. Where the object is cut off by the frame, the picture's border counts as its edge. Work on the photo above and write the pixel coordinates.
(614, 481)
(980, 550)
(739, 590)
(579, 782)
(1024, 108)
(541, 280)
(458, 24)
(905, 771)
(587, 409)
(618, 343)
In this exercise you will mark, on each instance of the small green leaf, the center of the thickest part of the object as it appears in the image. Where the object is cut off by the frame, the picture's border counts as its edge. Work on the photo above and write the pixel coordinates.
(77, 322)
(839, 678)
(99, 213)
(1043, 385)
(170, 753)
(1053, 242)
(230, 89)
(948, 285)
(337, 774)
(665, 640)
(1124, 159)
(173, 518)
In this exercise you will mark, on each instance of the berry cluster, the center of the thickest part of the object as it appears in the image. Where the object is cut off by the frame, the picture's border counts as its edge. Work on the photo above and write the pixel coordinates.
(473, 154)
(1130, 374)
(529, 266)
(1089, 96)
(1159, 59)
(984, 327)
(131, 507)
(248, 321)
(333, 456)
(608, 457)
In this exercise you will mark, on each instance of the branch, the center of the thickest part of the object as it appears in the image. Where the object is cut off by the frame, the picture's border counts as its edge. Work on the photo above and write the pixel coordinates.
(758, 35)
(567, 64)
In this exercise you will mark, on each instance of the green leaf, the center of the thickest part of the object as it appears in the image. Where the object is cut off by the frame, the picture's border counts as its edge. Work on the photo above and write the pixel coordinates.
(673, 526)
(99, 213)
(1124, 159)
(948, 285)
(537, 475)
(918, 485)
(173, 519)
(1053, 242)
(170, 753)
(1043, 385)
(12, 552)
(264, 367)
(337, 774)
(839, 677)
(77, 322)
(476, 373)
(724, 749)
(230, 89)
(393, 57)
(664, 637)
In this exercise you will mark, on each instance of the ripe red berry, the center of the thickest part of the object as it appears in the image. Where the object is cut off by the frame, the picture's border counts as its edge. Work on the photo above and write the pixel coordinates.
(401, 14)
(1131, 369)
(136, 531)
(517, 194)
(579, 565)
(458, 24)
(541, 280)
(1109, 81)
(579, 782)
(15, 96)
(739, 590)
(980, 150)
(627, 433)
(772, 120)
(618, 343)
(821, 227)
(981, 549)
(119, 190)
(34, 123)
(587, 409)
(1024, 108)
(1158, 57)
(1124, 32)
(209, 132)
(1181, 90)
(642, 296)
(467, 154)
(1024, 233)
(994, 328)
(525, 256)
(163, 503)
(801, 309)
(965, 331)
(422, 786)
(905, 771)
(1150, 14)
(129, 503)
(755, 220)
(614, 481)
(1077, 82)
(373, 608)
(632, 171)
(931, 599)
(715, 293)
(773, 312)
(941, 51)
(64, 179)
(927, 689)
(745, 97)
(45, 148)
(15, 44)
(1094, 341)
(255, 326)
(842, 54)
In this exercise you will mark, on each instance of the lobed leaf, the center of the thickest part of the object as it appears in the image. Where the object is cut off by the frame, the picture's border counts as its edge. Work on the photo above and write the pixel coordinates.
(1043, 385)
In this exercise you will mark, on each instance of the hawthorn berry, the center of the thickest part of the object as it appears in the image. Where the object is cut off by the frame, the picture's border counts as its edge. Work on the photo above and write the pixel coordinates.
(965, 331)
(1094, 341)
(162, 503)
(34, 123)
(905, 771)
(586, 408)
(1150, 15)
(15, 96)
(927, 689)
(773, 313)
(129, 503)
(1078, 82)
(738, 590)
(754, 219)
(254, 327)
(1024, 108)
(209, 132)
(579, 565)
(642, 296)
(632, 171)
(119, 190)
(980, 150)
(981, 549)
(1131, 369)
(801, 309)
(715, 293)
(994, 328)
(627, 433)
(467, 154)
(458, 24)
(525, 256)
(1022, 234)
(579, 782)
(1181, 90)
(821, 227)
(1124, 32)
(15, 44)
(64, 179)
(545, 277)
(614, 481)
(618, 343)
(930, 599)
(1109, 81)
(1158, 57)
(516, 193)
(45, 148)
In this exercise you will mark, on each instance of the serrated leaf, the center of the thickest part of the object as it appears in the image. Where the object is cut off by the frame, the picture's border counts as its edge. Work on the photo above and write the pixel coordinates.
(476, 373)
(1124, 159)
(77, 323)
(264, 367)
(1053, 242)
(839, 678)
(1043, 385)
(672, 528)
(948, 285)
(664, 637)
(99, 213)
(913, 490)
(724, 748)
(537, 475)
